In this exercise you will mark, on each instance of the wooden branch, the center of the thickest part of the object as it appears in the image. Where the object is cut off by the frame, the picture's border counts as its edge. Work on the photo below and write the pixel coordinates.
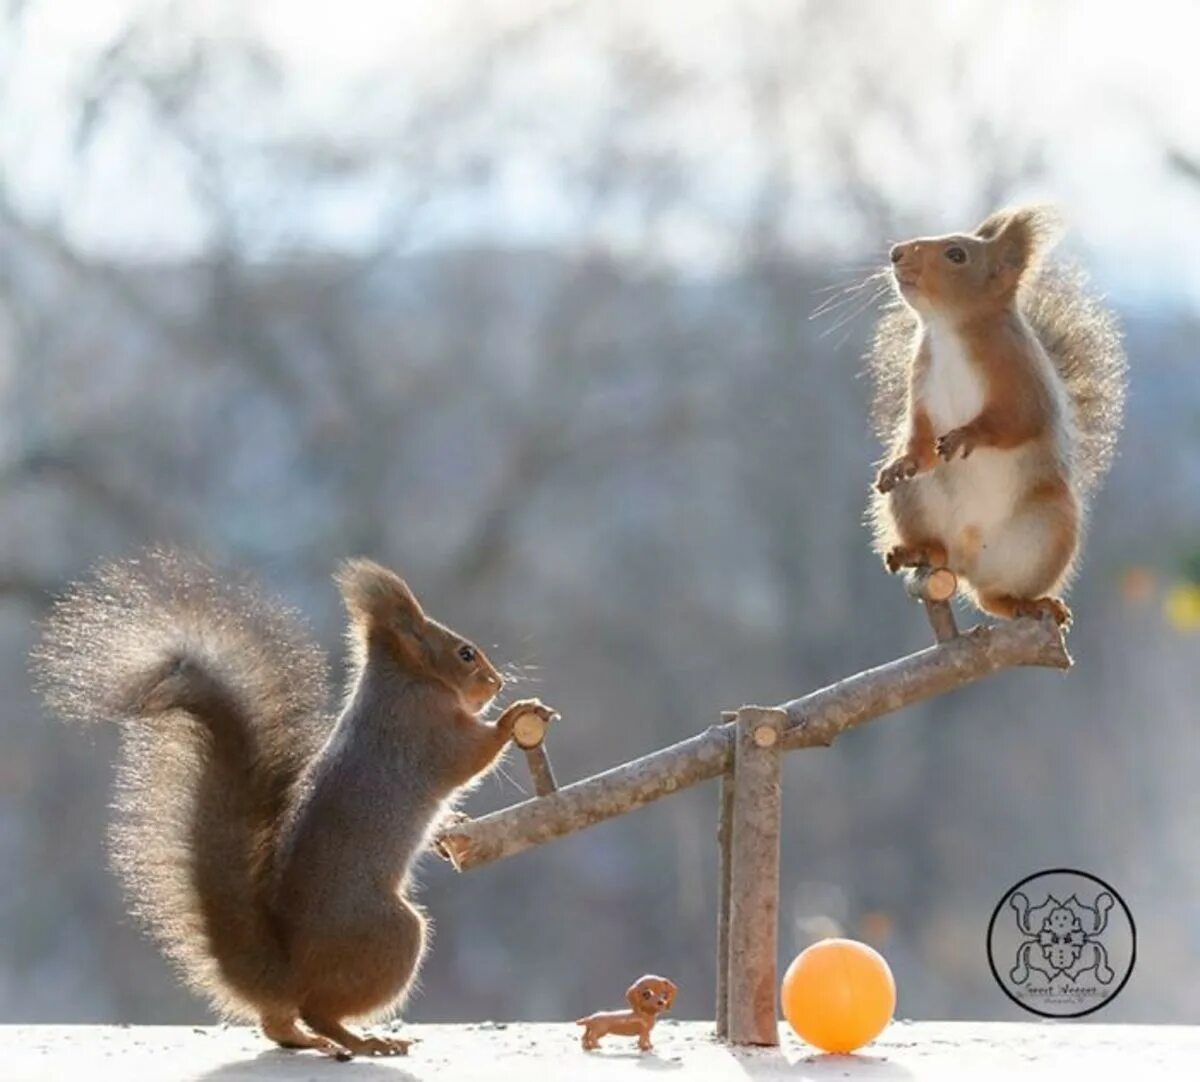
(25, 587)
(816, 719)
(75, 464)
(754, 878)
(600, 797)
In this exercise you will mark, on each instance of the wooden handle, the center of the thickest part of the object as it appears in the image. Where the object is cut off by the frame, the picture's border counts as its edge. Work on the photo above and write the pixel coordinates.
(529, 731)
(932, 584)
(541, 770)
(529, 734)
(935, 586)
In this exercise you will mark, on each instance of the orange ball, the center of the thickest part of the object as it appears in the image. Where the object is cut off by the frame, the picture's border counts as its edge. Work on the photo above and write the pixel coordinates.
(838, 994)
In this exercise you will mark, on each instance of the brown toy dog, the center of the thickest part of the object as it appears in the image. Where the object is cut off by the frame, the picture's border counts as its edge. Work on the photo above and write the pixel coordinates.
(647, 998)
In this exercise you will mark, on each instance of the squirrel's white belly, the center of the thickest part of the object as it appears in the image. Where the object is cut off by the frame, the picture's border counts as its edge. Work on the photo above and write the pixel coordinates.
(969, 498)
(965, 500)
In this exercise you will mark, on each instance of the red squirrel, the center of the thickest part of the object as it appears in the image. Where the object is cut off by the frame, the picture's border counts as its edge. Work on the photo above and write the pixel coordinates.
(999, 389)
(269, 846)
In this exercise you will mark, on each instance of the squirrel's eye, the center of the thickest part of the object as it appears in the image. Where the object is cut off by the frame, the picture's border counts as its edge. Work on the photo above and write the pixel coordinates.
(467, 653)
(956, 254)
(646, 993)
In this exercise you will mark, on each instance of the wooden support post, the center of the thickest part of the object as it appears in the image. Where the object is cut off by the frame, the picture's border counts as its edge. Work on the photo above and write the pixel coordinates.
(724, 840)
(941, 619)
(751, 979)
(529, 734)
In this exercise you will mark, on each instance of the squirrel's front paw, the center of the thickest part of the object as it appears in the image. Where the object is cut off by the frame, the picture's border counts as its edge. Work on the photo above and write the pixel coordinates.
(902, 469)
(957, 439)
(532, 706)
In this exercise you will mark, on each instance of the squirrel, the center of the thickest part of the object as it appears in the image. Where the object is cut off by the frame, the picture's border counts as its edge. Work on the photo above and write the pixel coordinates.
(999, 391)
(268, 846)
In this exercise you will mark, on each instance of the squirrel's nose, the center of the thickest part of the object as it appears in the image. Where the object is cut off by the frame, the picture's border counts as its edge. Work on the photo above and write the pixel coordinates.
(897, 252)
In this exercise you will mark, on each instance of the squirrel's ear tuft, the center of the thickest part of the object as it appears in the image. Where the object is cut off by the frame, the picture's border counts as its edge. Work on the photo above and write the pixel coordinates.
(1021, 236)
(375, 595)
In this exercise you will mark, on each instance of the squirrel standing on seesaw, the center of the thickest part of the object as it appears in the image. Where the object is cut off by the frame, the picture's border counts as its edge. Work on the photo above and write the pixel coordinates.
(268, 847)
(999, 391)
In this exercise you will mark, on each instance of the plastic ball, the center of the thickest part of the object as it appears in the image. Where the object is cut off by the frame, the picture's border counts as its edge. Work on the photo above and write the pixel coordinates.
(838, 994)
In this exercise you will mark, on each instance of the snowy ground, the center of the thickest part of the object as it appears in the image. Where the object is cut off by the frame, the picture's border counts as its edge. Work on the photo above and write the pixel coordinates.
(531, 1053)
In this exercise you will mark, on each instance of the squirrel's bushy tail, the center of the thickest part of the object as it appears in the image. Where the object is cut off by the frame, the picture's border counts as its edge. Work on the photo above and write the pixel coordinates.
(1079, 334)
(221, 700)
(1082, 338)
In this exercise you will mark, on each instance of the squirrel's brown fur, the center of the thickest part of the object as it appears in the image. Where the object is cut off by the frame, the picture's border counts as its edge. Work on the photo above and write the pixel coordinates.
(993, 354)
(268, 845)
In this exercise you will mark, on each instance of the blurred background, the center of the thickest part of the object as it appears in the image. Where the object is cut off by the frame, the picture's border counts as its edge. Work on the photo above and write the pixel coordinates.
(518, 298)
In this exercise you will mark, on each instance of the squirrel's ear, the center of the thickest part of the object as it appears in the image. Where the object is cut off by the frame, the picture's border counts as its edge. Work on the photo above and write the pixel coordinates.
(375, 595)
(1020, 237)
(406, 608)
(631, 994)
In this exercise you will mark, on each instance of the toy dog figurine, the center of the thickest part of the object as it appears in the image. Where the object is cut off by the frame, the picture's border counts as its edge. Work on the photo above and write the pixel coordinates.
(647, 998)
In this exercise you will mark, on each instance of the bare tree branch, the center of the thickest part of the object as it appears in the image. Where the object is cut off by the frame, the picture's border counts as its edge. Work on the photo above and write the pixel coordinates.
(23, 586)
(1185, 164)
(74, 467)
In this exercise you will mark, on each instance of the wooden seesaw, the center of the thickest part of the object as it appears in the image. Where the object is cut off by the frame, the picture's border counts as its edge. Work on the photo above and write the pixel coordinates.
(745, 752)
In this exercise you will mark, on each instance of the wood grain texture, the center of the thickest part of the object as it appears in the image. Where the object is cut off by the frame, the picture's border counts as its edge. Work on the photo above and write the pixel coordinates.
(540, 770)
(754, 879)
(724, 841)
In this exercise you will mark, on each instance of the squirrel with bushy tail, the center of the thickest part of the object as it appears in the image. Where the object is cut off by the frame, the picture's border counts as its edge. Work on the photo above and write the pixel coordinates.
(268, 845)
(999, 391)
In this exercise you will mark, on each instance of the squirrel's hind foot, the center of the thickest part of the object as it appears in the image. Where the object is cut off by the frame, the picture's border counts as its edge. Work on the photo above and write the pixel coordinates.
(353, 1043)
(1054, 607)
(1012, 608)
(383, 1046)
(286, 1033)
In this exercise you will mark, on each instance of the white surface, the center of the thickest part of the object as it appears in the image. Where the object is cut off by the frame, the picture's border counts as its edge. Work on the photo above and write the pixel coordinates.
(962, 1051)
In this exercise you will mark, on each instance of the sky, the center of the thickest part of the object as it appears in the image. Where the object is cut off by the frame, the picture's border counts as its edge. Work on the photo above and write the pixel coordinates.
(1107, 87)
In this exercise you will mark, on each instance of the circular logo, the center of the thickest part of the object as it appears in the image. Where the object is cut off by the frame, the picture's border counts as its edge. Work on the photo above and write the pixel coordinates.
(1061, 943)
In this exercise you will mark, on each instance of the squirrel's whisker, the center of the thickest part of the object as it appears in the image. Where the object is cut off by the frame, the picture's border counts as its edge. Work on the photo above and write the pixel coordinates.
(848, 295)
(501, 772)
(856, 308)
(848, 283)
